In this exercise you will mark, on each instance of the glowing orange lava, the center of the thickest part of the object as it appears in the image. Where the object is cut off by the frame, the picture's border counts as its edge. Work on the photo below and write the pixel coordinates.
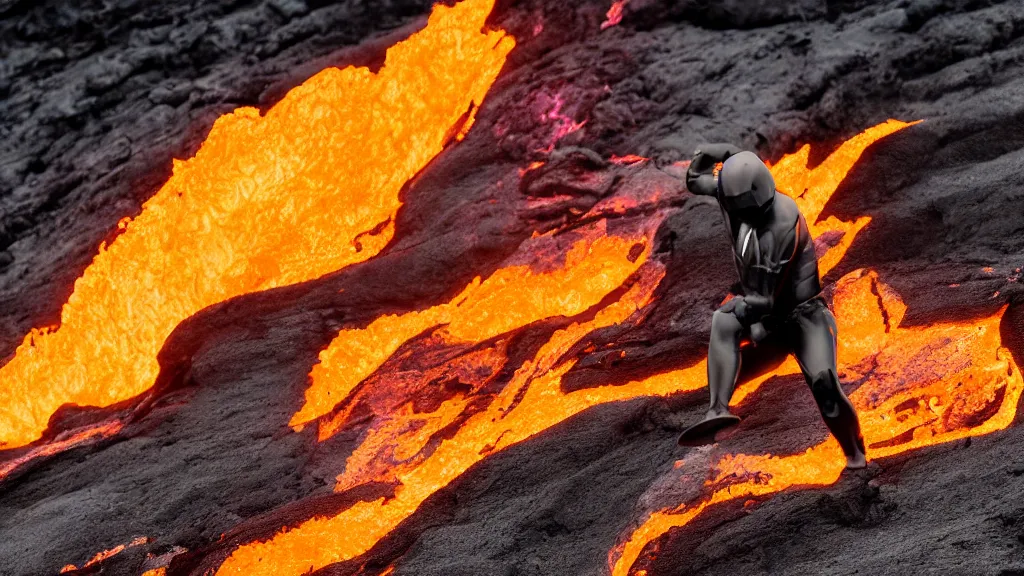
(512, 297)
(924, 386)
(267, 201)
(614, 15)
(531, 402)
(812, 188)
(62, 442)
(104, 555)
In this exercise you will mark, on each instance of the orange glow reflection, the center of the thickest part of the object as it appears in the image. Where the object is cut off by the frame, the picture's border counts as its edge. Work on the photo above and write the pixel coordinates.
(267, 201)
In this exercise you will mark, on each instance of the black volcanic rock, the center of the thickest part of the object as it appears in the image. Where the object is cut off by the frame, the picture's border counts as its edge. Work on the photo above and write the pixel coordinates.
(96, 98)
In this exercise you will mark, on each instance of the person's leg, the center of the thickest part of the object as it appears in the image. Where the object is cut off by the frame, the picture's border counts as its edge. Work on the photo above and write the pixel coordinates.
(723, 361)
(814, 346)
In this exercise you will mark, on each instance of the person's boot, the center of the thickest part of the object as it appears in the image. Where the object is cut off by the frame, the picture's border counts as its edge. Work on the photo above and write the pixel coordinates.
(718, 415)
(840, 417)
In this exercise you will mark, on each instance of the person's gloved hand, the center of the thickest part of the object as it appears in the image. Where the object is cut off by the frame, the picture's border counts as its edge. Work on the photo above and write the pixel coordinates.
(738, 307)
(757, 333)
(700, 174)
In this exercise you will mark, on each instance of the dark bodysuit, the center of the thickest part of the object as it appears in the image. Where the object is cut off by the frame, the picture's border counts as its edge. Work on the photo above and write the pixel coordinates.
(781, 295)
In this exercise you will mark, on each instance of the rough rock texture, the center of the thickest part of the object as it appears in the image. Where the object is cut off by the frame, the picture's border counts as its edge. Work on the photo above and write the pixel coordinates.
(97, 98)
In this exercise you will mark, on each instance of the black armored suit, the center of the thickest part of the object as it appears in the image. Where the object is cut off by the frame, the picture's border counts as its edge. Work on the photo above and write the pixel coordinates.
(781, 292)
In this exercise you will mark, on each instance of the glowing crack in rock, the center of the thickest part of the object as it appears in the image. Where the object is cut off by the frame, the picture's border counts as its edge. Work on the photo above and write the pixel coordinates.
(267, 201)
(106, 554)
(63, 441)
(562, 124)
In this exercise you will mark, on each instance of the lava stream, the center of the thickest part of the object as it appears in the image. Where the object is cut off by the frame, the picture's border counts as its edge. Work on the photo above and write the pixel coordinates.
(512, 297)
(105, 554)
(923, 386)
(812, 188)
(532, 402)
(267, 201)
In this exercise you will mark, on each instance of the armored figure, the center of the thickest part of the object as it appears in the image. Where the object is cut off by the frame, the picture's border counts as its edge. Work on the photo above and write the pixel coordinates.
(781, 293)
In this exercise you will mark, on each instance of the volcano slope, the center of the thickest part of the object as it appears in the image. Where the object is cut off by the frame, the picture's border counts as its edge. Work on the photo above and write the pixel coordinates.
(583, 338)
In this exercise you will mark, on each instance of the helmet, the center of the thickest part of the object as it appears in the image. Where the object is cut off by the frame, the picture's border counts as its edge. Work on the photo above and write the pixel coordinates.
(745, 186)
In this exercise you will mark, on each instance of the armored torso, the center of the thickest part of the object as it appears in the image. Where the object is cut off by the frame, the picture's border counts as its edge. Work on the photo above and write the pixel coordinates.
(775, 257)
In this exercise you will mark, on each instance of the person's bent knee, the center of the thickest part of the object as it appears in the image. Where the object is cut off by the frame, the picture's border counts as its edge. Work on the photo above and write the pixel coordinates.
(725, 326)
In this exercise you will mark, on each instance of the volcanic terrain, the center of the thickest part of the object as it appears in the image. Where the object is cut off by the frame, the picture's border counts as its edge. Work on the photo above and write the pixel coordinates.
(294, 286)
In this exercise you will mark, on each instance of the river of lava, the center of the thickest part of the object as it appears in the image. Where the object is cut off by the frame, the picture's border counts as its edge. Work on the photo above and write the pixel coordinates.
(268, 200)
(922, 386)
(400, 446)
(596, 265)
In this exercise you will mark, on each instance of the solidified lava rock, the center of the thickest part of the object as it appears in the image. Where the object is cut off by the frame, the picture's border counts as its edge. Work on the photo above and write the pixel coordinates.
(96, 99)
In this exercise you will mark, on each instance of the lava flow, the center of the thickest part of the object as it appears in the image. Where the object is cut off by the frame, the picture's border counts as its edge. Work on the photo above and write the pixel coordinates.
(922, 386)
(404, 445)
(105, 554)
(268, 200)
(512, 297)
(530, 402)
(812, 188)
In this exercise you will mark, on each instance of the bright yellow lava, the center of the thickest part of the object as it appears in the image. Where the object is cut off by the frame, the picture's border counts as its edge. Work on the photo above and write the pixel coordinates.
(267, 201)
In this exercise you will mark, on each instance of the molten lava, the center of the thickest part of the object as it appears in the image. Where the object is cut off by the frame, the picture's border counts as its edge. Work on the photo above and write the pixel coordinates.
(812, 188)
(268, 200)
(105, 554)
(530, 402)
(62, 442)
(923, 386)
(614, 14)
(402, 445)
(512, 297)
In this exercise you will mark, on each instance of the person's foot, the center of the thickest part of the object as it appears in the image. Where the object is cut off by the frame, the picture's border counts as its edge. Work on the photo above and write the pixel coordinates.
(856, 461)
(704, 431)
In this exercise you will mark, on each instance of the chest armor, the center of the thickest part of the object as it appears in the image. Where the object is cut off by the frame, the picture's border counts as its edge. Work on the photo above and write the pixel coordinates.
(758, 260)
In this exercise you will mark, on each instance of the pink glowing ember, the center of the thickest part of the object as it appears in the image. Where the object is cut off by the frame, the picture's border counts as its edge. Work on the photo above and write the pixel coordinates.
(614, 15)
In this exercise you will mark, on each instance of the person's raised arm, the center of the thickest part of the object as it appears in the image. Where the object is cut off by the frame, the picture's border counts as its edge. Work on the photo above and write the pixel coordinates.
(700, 177)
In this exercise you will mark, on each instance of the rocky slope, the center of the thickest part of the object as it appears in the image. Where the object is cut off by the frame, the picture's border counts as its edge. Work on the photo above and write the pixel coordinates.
(98, 98)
